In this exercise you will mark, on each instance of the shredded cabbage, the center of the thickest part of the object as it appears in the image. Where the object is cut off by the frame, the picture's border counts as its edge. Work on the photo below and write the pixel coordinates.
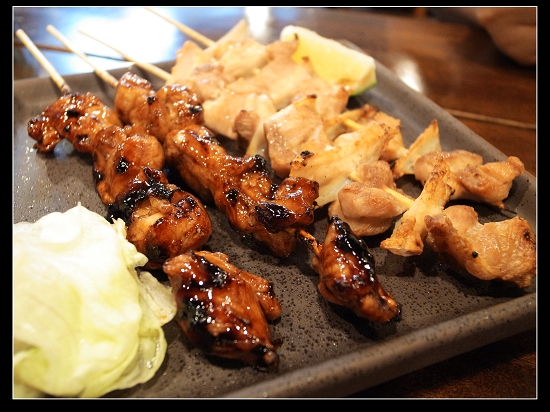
(82, 324)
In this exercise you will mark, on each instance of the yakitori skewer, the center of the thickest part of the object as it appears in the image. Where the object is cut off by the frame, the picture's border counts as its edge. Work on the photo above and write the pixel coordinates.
(184, 29)
(238, 304)
(128, 167)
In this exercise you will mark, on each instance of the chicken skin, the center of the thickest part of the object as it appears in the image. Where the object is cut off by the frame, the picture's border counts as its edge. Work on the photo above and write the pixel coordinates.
(503, 250)
(224, 310)
(242, 188)
(347, 275)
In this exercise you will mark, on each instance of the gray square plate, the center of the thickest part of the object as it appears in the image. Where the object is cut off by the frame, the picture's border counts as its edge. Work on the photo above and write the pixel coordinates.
(326, 351)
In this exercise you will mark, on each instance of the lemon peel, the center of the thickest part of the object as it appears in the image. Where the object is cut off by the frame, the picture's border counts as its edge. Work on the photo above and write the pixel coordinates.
(332, 60)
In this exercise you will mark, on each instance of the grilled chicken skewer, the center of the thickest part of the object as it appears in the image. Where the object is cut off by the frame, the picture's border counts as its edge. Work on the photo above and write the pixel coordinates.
(242, 188)
(168, 225)
(162, 219)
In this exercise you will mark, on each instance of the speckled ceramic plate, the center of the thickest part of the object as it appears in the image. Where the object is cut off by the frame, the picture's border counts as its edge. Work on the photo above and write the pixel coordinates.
(326, 351)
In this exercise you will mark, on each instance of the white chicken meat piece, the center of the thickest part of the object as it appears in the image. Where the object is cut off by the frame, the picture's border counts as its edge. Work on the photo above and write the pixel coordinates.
(470, 178)
(191, 55)
(371, 203)
(332, 168)
(208, 81)
(220, 114)
(410, 231)
(503, 250)
(352, 120)
(290, 131)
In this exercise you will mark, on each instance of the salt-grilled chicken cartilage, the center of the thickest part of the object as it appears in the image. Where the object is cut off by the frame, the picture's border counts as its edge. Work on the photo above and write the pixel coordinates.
(347, 273)
(162, 220)
(331, 168)
(407, 238)
(242, 188)
(470, 178)
(224, 310)
(76, 117)
(428, 141)
(504, 250)
(170, 108)
(352, 120)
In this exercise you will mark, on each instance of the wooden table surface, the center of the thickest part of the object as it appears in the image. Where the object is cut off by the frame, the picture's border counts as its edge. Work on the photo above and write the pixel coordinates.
(454, 65)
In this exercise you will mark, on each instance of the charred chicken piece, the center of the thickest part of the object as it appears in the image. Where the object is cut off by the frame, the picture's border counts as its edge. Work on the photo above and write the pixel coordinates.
(120, 155)
(242, 188)
(76, 117)
(224, 310)
(347, 273)
(162, 220)
(170, 108)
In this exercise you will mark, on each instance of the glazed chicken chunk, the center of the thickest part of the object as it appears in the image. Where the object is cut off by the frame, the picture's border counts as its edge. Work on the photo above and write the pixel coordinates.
(347, 273)
(76, 117)
(162, 220)
(224, 310)
(119, 155)
(504, 250)
(158, 112)
(242, 188)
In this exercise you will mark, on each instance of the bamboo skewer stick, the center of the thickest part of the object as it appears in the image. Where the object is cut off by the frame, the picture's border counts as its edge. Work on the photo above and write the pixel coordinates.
(54, 74)
(104, 75)
(489, 119)
(157, 71)
(49, 47)
(184, 29)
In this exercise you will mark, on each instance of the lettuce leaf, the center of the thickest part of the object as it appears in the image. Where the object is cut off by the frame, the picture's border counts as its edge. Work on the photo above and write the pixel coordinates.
(82, 324)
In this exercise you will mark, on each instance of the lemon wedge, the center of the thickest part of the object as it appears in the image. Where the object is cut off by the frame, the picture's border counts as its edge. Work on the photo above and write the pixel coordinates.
(333, 61)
